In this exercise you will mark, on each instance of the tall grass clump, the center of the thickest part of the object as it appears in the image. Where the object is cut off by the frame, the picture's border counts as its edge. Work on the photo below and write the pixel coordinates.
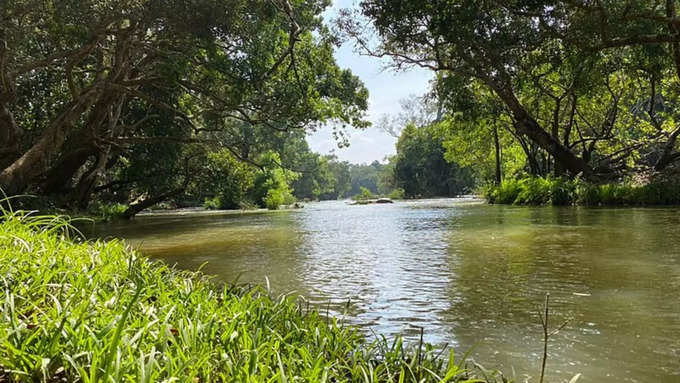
(97, 312)
(531, 191)
(107, 212)
(561, 191)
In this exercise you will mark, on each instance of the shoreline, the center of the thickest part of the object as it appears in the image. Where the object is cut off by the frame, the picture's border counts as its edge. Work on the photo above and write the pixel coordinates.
(120, 308)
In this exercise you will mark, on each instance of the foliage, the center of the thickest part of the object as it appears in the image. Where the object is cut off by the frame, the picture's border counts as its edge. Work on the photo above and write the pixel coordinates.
(123, 100)
(364, 194)
(107, 212)
(563, 88)
(397, 194)
(85, 312)
(561, 191)
(214, 203)
(366, 176)
(421, 169)
(272, 184)
(321, 177)
(342, 179)
(229, 179)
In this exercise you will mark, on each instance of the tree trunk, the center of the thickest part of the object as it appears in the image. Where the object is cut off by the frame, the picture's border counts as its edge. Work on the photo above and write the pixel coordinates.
(59, 177)
(667, 155)
(135, 208)
(557, 166)
(108, 117)
(21, 173)
(497, 146)
(529, 127)
(9, 143)
(87, 182)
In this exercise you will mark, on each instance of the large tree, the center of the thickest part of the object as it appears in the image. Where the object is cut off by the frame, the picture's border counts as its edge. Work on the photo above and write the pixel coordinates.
(542, 60)
(92, 88)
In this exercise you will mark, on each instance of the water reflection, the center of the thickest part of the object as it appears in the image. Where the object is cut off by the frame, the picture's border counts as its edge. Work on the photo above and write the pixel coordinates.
(469, 273)
(611, 271)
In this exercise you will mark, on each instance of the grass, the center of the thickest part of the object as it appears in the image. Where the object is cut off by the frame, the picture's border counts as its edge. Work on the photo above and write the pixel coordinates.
(106, 211)
(98, 312)
(560, 191)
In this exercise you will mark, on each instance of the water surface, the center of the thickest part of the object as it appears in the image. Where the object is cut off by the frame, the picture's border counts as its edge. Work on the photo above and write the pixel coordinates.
(471, 274)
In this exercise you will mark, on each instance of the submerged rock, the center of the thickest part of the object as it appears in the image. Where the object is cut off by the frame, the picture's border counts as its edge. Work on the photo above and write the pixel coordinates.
(371, 201)
(384, 200)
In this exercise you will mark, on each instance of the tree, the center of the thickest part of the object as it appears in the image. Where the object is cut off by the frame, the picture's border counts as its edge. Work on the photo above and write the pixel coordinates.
(416, 110)
(421, 169)
(544, 61)
(272, 184)
(366, 176)
(86, 86)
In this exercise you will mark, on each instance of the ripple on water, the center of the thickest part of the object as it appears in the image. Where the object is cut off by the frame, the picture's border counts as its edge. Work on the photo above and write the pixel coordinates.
(470, 274)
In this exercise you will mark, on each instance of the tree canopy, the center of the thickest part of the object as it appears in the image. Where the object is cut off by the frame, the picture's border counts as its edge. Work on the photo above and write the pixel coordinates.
(132, 96)
(585, 88)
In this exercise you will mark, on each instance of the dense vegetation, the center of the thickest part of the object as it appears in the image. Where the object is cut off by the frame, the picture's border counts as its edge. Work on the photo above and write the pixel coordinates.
(140, 102)
(562, 191)
(88, 312)
(574, 89)
(137, 103)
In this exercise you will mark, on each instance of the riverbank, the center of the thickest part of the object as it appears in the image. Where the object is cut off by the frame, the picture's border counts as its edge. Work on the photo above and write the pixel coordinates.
(564, 192)
(74, 311)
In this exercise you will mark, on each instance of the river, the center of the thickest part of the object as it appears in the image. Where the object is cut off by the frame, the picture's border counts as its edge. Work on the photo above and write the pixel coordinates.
(474, 276)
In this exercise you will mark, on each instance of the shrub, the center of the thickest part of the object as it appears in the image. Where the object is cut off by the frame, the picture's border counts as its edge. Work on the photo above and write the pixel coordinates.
(560, 191)
(397, 194)
(213, 203)
(506, 192)
(364, 194)
(533, 191)
(107, 211)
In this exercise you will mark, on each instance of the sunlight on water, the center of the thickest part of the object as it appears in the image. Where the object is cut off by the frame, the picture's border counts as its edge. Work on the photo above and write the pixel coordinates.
(472, 275)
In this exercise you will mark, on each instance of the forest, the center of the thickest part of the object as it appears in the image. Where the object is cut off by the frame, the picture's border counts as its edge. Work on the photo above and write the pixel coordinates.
(582, 91)
(138, 103)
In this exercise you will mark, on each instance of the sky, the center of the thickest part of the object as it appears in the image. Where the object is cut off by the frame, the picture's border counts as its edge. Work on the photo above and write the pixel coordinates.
(385, 87)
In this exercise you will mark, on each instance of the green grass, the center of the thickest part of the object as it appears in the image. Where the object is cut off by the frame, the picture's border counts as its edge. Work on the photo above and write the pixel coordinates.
(97, 312)
(106, 212)
(560, 191)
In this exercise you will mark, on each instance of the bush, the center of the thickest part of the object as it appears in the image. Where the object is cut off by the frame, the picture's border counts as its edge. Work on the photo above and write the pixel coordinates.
(505, 193)
(85, 312)
(363, 195)
(277, 197)
(214, 203)
(397, 194)
(560, 191)
(107, 212)
(272, 184)
(533, 191)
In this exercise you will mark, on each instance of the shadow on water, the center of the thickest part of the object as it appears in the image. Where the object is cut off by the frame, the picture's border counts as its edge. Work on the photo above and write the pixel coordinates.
(470, 274)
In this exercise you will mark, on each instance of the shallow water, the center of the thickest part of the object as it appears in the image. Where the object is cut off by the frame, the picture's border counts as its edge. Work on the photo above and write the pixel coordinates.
(471, 274)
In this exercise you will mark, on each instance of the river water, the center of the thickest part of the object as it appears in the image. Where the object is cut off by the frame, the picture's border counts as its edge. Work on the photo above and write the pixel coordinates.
(474, 276)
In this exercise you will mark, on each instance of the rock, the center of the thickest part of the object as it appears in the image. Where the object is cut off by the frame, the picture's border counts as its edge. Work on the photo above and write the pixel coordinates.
(384, 200)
